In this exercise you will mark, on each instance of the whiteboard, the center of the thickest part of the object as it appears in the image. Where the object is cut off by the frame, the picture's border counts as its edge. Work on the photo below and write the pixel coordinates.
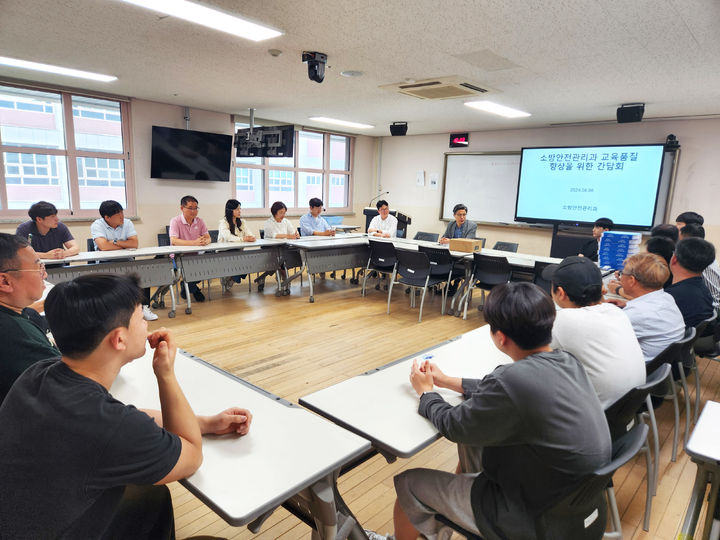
(485, 183)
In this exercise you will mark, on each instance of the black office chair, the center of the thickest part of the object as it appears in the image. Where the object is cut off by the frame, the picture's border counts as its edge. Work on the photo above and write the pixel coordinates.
(382, 260)
(262, 234)
(482, 241)
(413, 267)
(442, 265)
(684, 363)
(163, 239)
(213, 235)
(487, 272)
(426, 236)
(582, 515)
(628, 411)
(538, 280)
(705, 341)
(706, 344)
(512, 247)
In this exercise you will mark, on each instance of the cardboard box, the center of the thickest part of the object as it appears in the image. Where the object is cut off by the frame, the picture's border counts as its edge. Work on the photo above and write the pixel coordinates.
(468, 245)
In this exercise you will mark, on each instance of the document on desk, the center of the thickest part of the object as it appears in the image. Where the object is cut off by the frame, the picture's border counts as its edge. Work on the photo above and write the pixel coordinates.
(381, 405)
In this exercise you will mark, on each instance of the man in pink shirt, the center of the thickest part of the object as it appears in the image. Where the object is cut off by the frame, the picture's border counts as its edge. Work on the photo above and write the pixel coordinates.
(189, 230)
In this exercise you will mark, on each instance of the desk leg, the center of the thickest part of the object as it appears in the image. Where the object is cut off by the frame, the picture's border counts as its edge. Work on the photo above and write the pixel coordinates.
(695, 505)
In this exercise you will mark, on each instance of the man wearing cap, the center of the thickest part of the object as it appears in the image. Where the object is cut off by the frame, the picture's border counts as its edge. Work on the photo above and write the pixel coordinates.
(598, 334)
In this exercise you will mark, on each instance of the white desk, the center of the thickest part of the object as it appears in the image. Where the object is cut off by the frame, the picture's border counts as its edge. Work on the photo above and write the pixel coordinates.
(290, 455)
(381, 405)
(704, 449)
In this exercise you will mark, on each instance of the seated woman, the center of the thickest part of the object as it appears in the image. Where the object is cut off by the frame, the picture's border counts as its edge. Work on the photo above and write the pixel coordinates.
(654, 315)
(278, 226)
(232, 229)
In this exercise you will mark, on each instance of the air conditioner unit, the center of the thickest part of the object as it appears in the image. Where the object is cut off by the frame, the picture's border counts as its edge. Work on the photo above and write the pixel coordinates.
(438, 88)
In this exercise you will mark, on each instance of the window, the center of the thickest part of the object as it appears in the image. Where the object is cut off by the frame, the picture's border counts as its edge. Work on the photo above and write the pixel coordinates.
(321, 167)
(70, 150)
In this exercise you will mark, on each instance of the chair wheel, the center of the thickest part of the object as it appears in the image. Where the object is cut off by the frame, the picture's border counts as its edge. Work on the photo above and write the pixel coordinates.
(171, 314)
(450, 312)
(261, 287)
(377, 287)
(155, 305)
(286, 292)
(188, 311)
(278, 293)
(312, 299)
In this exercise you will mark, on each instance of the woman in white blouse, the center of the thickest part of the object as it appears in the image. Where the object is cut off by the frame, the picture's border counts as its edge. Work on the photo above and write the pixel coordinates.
(278, 226)
(232, 229)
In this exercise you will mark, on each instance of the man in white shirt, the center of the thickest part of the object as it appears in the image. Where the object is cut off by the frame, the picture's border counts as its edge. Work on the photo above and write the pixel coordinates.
(113, 231)
(383, 225)
(653, 313)
(598, 334)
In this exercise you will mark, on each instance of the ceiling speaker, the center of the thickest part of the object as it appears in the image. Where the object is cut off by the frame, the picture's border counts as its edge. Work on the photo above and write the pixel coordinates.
(632, 112)
(398, 129)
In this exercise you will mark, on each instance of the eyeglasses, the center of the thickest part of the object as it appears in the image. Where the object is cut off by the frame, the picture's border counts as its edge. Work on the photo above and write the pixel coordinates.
(40, 269)
(192, 208)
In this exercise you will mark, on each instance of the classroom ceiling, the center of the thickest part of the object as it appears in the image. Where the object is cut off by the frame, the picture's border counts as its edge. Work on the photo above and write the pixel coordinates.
(564, 61)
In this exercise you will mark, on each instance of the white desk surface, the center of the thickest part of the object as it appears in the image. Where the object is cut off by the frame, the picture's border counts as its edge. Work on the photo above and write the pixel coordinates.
(704, 443)
(518, 259)
(287, 449)
(381, 405)
(327, 242)
(151, 251)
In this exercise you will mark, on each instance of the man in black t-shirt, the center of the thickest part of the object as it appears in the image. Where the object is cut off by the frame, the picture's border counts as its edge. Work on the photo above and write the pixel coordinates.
(692, 256)
(590, 248)
(74, 461)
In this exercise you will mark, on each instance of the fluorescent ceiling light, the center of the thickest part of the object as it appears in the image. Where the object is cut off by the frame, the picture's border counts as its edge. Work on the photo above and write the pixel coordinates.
(336, 122)
(211, 18)
(501, 110)
(24, 64)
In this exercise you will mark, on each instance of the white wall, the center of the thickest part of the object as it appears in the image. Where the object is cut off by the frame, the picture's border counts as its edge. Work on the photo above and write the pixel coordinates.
(697, 187)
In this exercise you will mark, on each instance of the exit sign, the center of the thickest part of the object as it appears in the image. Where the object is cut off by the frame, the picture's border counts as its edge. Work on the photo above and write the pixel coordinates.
(459, 140)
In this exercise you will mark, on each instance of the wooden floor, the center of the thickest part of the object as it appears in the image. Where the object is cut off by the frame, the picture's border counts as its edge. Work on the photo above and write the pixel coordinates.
(291, 348)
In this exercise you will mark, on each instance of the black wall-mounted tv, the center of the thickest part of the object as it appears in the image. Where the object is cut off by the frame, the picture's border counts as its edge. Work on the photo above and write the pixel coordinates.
(182, 154)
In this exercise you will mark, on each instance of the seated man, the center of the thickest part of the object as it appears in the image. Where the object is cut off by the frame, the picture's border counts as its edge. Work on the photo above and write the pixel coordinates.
(654, 316)
(598, 334)
(50, 238)
(461, 227)
(188, 229)
(21, 284)
(689, 218)
(711, 275)
(312, 223)
(534, 451)
(590, 248)
(665, 230)
(86, 465)
(383, 225)
(692, 256)
(112, 232)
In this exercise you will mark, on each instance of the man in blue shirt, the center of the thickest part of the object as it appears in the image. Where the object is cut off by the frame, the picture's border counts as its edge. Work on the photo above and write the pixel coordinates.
(312, 224)
(112, 231)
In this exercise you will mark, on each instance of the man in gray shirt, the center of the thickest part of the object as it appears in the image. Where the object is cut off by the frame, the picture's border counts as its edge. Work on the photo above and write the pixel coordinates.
(534, 451)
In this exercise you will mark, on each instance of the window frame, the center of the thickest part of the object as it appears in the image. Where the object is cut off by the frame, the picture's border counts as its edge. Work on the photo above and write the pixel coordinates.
(300, 207)
(71, 153)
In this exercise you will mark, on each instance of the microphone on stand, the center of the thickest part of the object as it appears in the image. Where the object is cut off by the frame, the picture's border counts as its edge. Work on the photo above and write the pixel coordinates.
(376, 198)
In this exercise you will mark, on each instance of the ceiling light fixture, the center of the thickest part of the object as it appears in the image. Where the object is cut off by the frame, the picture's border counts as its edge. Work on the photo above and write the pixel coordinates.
(345, 123)
(494, 108)
(48, 68)
(351, 73)
(211, 18)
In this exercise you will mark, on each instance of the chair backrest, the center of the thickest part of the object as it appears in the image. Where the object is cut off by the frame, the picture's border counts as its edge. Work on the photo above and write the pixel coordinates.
(582, 515)
(382, 253)
(482, 241)
(621, 414)
(292, 258)
(660, 380)
(538, 280)
(491, 270)
(413, 264)
(707, 326)
(213, 235)
(506, 246)
(163, 239)
(687, 355)
(441, 262)
(262, 233)
(400, 233)
(427, 236)
(90, 243)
